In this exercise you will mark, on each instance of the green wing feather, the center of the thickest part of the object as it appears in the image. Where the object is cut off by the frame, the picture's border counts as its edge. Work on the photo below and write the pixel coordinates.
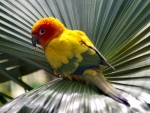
(88, 60)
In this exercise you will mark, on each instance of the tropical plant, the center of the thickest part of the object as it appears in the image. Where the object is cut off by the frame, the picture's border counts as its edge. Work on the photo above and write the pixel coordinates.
(118, 28)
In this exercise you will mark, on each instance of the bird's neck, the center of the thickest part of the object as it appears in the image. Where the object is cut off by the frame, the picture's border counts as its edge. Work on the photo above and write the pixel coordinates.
(44, 43)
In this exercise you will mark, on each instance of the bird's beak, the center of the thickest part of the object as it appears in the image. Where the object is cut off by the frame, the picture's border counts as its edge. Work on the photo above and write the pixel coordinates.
(35, 40)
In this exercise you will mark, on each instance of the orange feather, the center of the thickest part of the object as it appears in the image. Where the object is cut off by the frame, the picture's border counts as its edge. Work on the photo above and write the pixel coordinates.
(52, 26)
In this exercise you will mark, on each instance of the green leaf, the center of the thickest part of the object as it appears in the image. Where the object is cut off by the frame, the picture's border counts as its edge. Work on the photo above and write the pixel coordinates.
(10, 76)
(6, 96)
(71, 96)
(3, 100)
(118, 28)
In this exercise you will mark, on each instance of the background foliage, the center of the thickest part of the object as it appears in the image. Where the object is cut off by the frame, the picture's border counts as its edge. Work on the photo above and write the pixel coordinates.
(118, 28)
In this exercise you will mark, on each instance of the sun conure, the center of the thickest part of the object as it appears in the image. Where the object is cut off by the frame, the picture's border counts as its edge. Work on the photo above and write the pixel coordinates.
(73, 55)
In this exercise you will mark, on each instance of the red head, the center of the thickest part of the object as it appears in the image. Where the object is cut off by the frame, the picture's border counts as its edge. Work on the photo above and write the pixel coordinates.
(45, 29)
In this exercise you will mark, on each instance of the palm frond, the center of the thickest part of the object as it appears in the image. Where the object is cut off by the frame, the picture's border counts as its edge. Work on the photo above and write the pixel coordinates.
(118, 28)
(62, 96)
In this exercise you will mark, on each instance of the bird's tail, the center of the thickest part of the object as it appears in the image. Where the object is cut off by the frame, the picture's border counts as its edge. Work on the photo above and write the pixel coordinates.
(101, 83)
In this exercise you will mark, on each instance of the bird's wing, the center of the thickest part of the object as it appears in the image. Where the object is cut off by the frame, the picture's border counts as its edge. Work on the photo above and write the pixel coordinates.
(72, 53)
(74, 66)
(103, 60)
(91, 45)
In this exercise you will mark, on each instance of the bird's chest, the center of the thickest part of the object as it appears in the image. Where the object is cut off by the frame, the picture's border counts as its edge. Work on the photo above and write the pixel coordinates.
(61, 51)
(57, 53)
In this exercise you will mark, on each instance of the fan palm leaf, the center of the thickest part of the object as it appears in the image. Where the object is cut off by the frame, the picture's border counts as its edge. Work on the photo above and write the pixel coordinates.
(118, 28)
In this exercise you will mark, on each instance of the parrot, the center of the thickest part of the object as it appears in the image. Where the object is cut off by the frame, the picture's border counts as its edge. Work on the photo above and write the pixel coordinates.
(73, 55)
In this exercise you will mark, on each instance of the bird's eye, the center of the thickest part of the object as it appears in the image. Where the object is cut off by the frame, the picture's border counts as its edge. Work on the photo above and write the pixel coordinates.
(42, 31)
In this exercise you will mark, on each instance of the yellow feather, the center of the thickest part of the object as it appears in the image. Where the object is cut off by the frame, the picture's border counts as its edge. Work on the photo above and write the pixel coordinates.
(92, 52)
(85, 38)
(79, 57)
(90, 72)
(76, 64)
(64, 47)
